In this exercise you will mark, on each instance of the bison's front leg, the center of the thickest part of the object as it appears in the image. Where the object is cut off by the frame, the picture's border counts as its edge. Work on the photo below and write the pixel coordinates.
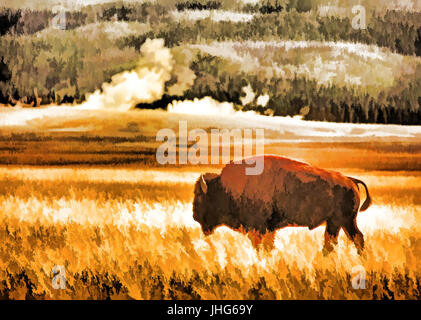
(266, 240)
(255, 238)
(331, 236)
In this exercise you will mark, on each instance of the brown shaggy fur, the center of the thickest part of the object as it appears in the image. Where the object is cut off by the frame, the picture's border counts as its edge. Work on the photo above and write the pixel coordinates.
(287, 193)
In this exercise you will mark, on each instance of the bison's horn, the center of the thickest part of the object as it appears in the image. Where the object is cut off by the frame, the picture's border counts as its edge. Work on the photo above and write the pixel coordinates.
(203, 184)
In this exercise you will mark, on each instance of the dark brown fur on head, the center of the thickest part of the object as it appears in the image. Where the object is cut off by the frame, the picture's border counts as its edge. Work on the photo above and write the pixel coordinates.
(210, 204)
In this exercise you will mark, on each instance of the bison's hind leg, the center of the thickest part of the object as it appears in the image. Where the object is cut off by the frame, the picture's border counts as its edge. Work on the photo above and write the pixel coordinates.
(331, 236)
(354, 234)
(258, 240)
(255, 238)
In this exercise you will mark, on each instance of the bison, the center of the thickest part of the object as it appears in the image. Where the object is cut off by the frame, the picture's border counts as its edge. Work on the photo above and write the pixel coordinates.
(287, 193)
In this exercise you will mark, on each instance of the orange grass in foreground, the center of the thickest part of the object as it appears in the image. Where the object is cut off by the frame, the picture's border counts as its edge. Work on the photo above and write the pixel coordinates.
(129, 233)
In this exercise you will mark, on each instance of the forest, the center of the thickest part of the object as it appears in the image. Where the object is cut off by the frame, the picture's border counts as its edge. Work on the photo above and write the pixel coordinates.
(41, 64)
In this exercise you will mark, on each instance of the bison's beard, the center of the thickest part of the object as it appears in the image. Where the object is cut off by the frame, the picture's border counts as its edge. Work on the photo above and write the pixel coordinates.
(207, 232)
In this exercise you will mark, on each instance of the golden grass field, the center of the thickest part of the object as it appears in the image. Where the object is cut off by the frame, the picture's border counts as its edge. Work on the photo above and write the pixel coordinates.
(125, 230)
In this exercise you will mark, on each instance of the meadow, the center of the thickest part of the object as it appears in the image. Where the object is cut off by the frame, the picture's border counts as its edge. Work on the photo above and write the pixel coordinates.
(125, 230)
(81, 191)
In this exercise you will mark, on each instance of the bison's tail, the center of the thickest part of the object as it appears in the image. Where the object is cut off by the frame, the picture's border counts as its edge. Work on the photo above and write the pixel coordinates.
(368, 200)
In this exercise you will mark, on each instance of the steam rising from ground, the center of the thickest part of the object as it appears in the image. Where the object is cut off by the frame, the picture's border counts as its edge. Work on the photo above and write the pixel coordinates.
(287, 126)
(205, 106)
(145, 84)
(200, 113)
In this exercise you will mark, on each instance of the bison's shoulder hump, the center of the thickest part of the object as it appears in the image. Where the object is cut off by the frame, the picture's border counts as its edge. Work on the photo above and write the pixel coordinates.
(258, 187)
(276, 173)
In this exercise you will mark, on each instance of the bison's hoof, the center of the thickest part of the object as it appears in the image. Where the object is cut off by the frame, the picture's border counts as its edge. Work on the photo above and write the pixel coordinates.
(326, 251)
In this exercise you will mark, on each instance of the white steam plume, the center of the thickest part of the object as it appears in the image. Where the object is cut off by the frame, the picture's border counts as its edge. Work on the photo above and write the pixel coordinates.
(145, 84)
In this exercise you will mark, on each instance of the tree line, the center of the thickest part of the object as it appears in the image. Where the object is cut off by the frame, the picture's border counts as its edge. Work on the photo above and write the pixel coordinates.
(65, 69)
(397, 105)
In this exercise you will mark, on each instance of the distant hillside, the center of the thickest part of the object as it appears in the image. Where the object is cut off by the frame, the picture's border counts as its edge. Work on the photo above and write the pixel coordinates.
(341, 82)
(304, 55)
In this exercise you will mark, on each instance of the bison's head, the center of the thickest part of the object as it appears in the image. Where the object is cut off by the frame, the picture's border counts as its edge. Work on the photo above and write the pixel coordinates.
(207, 197)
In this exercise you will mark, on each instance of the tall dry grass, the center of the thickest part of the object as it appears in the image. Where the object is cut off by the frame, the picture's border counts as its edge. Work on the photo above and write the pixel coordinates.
(125, 233)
